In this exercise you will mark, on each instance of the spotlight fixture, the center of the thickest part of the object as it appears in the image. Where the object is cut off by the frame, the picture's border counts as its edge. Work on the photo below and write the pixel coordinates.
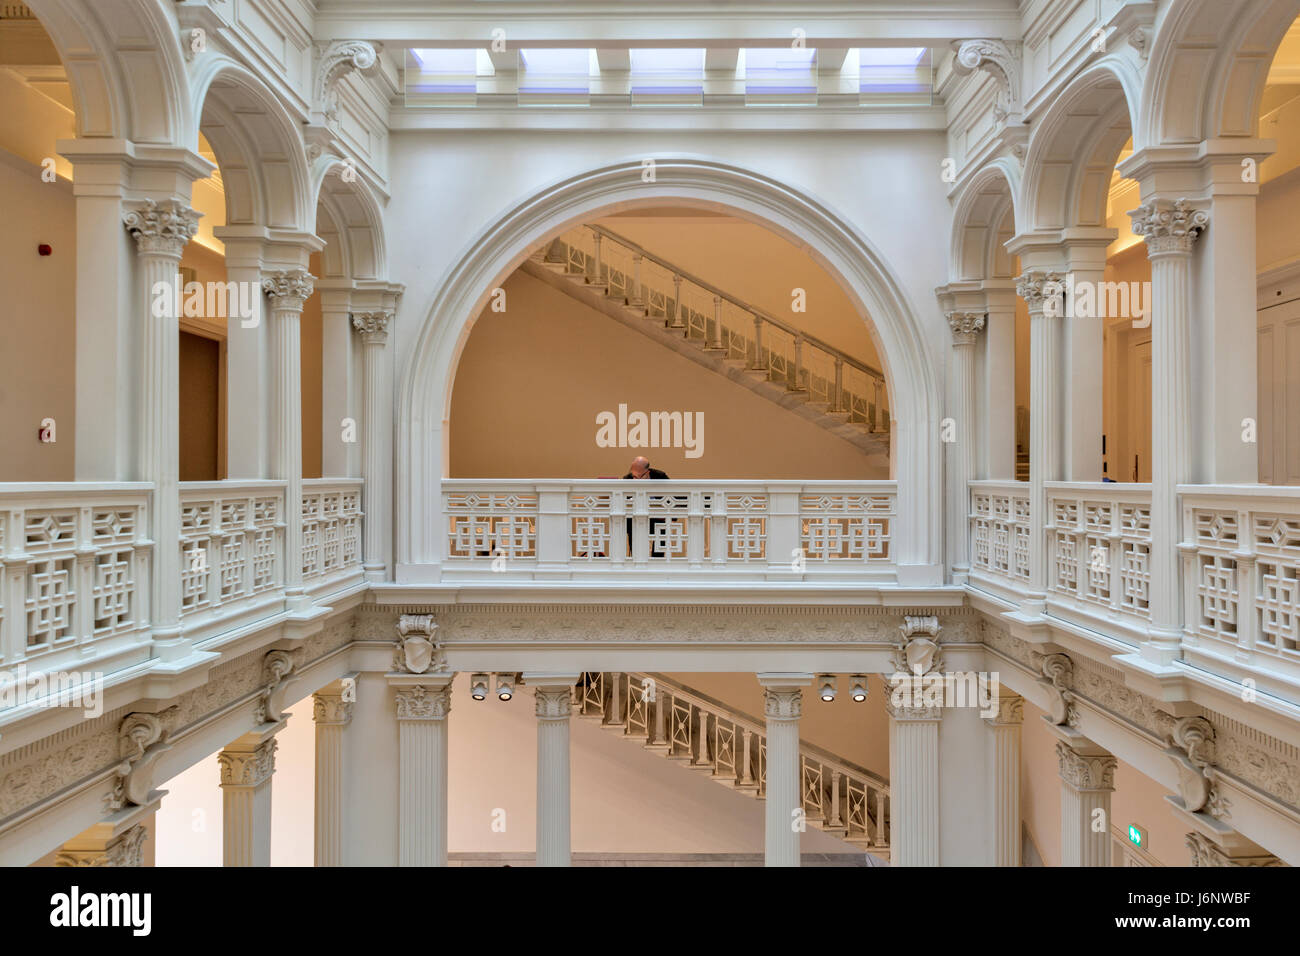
(505, 686)
(478, 686)
(826, 687)
(858, 687)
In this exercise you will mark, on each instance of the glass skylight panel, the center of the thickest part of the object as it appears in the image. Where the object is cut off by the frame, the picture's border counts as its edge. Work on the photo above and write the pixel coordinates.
(667, 77)
(780, 76)
(442, 77)
(895, 76)
(557, 76)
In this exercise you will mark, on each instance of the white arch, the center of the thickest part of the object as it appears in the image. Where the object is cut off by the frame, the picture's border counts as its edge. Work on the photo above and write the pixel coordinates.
(980, 210)
(357, 217)
(428, 368)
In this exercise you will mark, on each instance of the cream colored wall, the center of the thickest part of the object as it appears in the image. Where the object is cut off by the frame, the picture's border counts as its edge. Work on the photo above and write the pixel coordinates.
(757, 266)
(1139, 799)
(1277, 240)
(1128, 433)
(1040, 786)
(531, 381)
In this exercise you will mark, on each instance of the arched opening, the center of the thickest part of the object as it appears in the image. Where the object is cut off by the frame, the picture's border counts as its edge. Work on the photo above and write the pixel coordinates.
(428, 378)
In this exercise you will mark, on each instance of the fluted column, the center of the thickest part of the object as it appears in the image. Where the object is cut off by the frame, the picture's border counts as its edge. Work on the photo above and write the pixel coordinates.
(783, 705)
(1004, 729)
(1087, 781)
(913, 784)
(246, 769)
(1170, 230)
(1042, 292)
(553, 705)
(423, 703)
(288, 291)
(376, 432)
(161, 230)
(962, 450)
(332, 710)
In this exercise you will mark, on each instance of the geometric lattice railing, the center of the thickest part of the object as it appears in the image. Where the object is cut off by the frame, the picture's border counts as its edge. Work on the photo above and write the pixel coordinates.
(574, 528)
(1000, 532)
(331, 530)
(682, 724)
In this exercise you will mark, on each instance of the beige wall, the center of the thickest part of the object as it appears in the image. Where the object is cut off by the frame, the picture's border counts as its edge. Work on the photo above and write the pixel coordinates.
(532, 379)
(200, 367)
(310, 352)
(1040, 786)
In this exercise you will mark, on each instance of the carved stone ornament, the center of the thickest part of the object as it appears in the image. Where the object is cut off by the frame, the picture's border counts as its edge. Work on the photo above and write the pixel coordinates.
(1169, 227)
(1085, 771)
(336, 60)
(331, 709)
(965, 326)
(1205, 852)
(998, 60)
(373, 326)
(551, 703)
(125, 850)
(142, 739)
(1011, 710)
(918, 651)
(277, 668)
(291, 288)
(1042, 291)
(1058, 672)
(1191, 747)
(417, 651)
(249, 768)
(423, 703)
(161, 227)
(782, 704)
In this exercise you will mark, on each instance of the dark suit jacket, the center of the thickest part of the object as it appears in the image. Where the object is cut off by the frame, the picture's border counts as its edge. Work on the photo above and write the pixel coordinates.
(655, 473)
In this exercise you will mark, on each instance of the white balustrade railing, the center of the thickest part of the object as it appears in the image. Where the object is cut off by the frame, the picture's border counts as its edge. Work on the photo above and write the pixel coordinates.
(331, 531)
(837, 796)
(76, 559)
(1000, 532)
(1241, 575)
(1099, 552)
(569, 529)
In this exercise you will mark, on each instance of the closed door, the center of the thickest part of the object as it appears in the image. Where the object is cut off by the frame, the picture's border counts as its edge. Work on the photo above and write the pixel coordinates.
(1279, 394)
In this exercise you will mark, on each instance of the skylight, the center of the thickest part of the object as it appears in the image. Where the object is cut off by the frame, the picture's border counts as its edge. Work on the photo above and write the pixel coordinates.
(869, 56)
(678, 62)
(557, 62)
(780, 75)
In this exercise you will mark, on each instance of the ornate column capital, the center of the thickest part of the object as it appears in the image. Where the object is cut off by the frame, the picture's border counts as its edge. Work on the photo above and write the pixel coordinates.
(782, 703)
(373, 326)
(420, 702)
(1010, 712)
(289, 288)
(160, 228)
(1085, 771)
(1205, 852)
(553, 703)
(125, 850)
(248, 768)
(1042, 291)
(908, 709)
(965, 326)
(998, 60)
(1169, 228)
(331, 709)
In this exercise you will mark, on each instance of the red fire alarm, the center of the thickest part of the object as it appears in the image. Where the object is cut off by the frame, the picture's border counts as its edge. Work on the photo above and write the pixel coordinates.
(45, 249)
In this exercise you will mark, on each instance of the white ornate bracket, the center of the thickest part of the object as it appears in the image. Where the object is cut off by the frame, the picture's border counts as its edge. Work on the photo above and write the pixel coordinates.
(1058, 673)
(277, 670)
(141, 740)
(918, 651)
(1000, 61)
(336, 60)
(1191, 747)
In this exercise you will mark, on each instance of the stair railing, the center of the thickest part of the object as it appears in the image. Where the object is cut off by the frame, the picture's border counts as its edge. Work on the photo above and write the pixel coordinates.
(719, 320)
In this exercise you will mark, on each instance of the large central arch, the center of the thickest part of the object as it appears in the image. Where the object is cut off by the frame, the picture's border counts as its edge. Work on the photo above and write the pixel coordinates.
(428, 369)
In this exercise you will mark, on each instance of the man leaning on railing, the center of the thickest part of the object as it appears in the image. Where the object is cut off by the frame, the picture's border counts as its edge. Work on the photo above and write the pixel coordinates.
(641, 470)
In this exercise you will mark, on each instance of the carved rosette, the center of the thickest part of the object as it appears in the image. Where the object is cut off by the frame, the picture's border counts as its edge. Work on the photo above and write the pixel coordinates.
(125, 850)
(782, 704)
(336, 60)
(1169, 228)
(247, 768)
(331, 709)
(373, 326)
(1191, 747)
(1043, 292)
(1205, 852)
(999, 61)
(161, 228)
(553, 703)
(1085, 771)
(417, 652)
(965, 326)
(1058, 673)
(289, 289)
(423, 703)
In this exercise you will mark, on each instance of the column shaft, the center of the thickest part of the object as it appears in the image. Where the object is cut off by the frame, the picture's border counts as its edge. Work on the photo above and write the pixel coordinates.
(247, 766)
(1004, 728)
(422, 709)
(332, 710)
(914, 785)
(376, 460)
(553, 706)
(1087, 781)
(783, 706)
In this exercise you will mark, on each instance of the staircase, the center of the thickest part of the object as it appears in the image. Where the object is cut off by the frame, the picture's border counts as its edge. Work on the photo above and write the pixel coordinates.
(645, 292)
(703, 734)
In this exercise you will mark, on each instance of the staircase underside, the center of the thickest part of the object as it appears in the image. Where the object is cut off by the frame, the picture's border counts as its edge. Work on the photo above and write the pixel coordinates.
(874, 446)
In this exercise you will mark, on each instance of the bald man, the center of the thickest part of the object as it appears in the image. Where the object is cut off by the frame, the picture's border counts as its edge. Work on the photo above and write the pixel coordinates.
(641, 470)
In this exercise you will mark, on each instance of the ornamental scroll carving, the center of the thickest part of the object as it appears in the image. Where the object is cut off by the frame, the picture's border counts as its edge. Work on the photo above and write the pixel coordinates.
(1000, 61)
(336, 60)
(1058, 675)
(417, 651)
(1190, 745)
(277, 671)
(142, 739)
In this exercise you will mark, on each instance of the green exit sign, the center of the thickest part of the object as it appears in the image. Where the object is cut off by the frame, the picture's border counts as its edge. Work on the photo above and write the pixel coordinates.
(1137, 836)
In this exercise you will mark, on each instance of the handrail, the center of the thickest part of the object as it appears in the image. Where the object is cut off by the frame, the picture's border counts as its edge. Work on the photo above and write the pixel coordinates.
(765, 316)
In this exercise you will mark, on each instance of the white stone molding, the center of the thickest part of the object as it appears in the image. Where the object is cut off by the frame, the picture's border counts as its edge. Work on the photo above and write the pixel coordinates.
(336, 60)
(1205, 852)
(1002, 62)
(1191, 747)
(1169, 227)
(1058, 671)
(142, 739)
(277, 672)
(417, 651)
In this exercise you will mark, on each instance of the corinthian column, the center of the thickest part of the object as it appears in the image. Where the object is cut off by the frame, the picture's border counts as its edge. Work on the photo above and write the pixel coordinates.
(1004, 727)
(553, 702)
(288, 291)
(423, 703)
(246, 769)
(1042, 292)
(962, 450)
(783, 705)
(1170, 229)
(332, 710)
(161, 230)
(913, 782)
(376, 429)
(1087, 781)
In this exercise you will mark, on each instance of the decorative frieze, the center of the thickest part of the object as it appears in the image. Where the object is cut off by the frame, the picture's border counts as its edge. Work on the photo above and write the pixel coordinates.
(419, 702)
(161, 228)
(1169, 227)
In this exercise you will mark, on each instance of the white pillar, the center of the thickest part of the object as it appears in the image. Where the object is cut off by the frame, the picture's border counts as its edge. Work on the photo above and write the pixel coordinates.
(962, 453)
(339, 388)
(376, 443)
(1081, 358)
(246, 769)
(288, 290)
(783, 705)
(1087, 781)
(1170, 229)
(552, 694)
(1004, 732)
(332, 710)
(423, 703)
(161, 231)
(248, 371)
(996, 418)
(913, 784)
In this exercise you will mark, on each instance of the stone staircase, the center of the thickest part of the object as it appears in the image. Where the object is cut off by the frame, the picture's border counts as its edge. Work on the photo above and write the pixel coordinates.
(721, 332)
(706, 735)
